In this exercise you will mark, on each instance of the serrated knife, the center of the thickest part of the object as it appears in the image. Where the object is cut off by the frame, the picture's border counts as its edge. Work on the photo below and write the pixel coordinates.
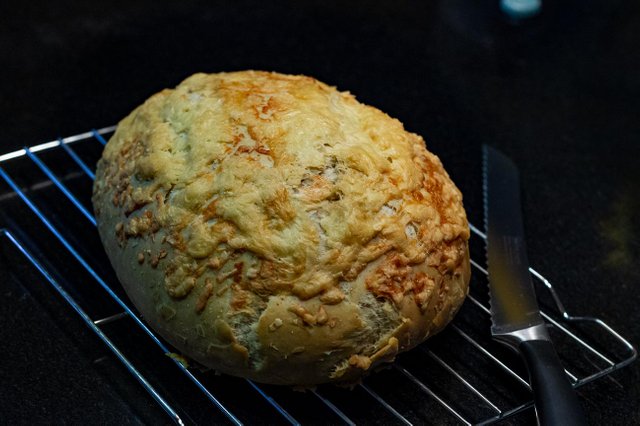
(515, 315)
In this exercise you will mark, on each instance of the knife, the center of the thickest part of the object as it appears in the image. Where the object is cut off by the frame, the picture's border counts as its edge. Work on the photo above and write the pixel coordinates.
(515, 315)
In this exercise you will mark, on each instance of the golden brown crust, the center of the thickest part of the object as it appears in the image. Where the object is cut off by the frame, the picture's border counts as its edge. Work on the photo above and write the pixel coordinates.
(272, 227)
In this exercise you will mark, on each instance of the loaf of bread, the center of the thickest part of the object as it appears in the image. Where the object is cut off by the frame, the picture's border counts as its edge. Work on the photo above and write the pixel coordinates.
(271, 227)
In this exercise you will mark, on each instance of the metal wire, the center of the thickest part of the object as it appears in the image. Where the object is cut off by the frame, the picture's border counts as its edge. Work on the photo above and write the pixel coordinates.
(90, 217)
(386, 405)
(460, 378)
(56, 143)
(447, 405)
(78, 160)
(94, 327)
(60, 185)
(501, 413)
(110, 319)
(104, 285)
(334, 408)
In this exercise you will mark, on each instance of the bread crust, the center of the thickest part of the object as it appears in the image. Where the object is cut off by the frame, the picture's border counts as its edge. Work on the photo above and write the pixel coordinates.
(271, 227)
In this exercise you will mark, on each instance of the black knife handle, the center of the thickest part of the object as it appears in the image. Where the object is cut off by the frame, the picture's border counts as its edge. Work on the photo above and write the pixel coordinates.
(556, 401)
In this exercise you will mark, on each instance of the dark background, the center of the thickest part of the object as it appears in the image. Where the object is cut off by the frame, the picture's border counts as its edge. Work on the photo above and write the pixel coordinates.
(559, 93)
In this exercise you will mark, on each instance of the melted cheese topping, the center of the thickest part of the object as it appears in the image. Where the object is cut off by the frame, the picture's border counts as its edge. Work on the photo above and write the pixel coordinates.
(283, 185)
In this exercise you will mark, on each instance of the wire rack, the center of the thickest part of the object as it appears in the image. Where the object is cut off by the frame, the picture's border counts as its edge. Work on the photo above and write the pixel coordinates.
(458, 377)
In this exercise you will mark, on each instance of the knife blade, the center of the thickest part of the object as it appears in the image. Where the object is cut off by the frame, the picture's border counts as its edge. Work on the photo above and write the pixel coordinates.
(515, 315)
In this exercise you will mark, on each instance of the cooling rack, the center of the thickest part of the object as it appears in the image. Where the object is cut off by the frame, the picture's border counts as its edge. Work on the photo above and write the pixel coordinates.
(458, 377)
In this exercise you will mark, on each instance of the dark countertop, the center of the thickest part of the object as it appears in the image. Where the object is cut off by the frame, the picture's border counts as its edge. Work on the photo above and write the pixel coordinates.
(559, 93)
